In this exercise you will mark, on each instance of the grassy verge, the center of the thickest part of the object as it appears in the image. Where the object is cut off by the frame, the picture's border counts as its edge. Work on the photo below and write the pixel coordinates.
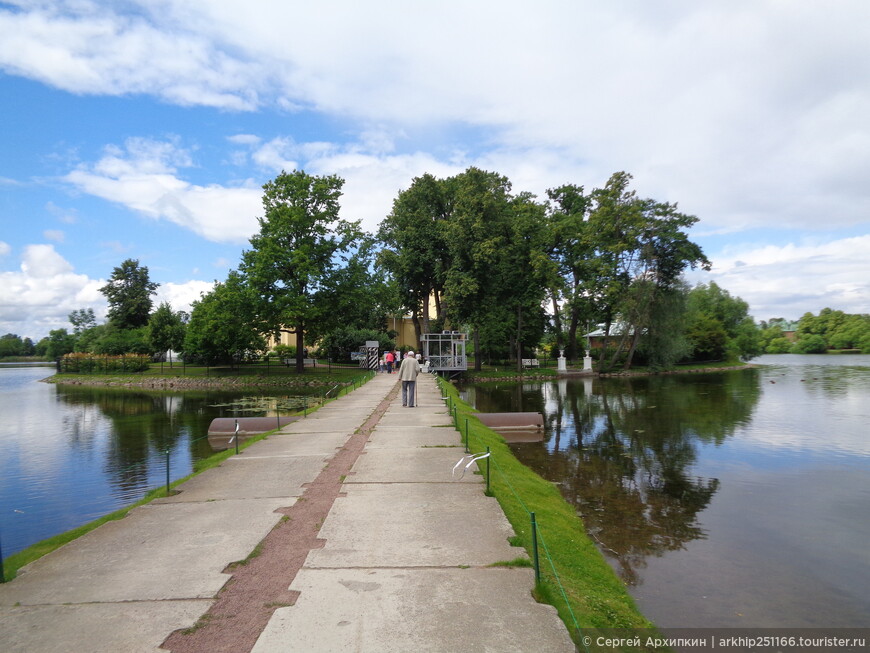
(16, 561)
(575, 577)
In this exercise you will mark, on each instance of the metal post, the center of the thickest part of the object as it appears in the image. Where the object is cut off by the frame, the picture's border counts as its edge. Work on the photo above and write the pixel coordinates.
(167, 472)
(237, 437)
(2, 572)
(466, 436)
(305, 407)
(535, 549)
(488, 493)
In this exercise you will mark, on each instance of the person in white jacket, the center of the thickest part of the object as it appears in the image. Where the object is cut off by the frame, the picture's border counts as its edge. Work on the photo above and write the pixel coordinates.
(408, 372)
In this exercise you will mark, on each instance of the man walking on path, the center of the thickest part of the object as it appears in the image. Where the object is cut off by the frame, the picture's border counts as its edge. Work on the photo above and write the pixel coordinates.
(408, 376)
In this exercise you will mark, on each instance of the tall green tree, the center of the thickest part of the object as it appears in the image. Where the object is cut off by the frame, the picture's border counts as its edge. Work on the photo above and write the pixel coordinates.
(82, 319)
(221, 328)
(296, 252)
(719, 325)
(572, 251)
(476, 237)
(129, 293)
(415, 251)
(166, 330)
(11, 345)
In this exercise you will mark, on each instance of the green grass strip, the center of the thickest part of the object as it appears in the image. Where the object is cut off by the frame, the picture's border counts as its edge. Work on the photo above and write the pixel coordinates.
(580, 584)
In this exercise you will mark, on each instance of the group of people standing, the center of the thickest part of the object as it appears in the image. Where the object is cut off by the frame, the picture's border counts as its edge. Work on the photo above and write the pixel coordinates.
(408, 370)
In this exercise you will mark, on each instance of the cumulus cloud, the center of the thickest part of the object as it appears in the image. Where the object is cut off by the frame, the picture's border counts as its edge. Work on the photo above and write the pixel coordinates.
(790, 280)
(143, 176)
(85, 47)
(41, 294)
(742, 111)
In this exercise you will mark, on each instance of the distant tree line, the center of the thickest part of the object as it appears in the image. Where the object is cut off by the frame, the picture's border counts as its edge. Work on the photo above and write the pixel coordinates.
(466, 252)
(817, 334)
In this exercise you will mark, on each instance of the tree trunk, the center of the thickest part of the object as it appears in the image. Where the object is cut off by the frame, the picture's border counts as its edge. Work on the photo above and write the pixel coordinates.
(632, 349)
(519, 338)
(426, 328)
(603, 350)
(300, 349)
(417, 329)
(557, 321)
(478, 358)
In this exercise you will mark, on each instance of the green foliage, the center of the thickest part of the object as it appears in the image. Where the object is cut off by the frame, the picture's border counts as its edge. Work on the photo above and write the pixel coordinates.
(780, 345)
(292, 265)
(82, 319)
(222, 327)
(115, 341)
(12, 345)
(166, 329)
(129, 294)
(720, 326)
(837, 329)
(339, 344)
(81, 363)
(283, 352)
(56, 344)
(811, 343)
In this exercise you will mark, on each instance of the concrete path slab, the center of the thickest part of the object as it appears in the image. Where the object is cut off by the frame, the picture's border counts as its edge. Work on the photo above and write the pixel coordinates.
(133, 627)
(347, 423)
(397, 437)
(249, 476)
(401, 416)
(156, 552)
(434, 465)
(401, 610)
(423, 524)
(322, 443)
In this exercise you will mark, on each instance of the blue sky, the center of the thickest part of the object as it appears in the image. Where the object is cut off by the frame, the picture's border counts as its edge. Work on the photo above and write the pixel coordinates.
(145, 130)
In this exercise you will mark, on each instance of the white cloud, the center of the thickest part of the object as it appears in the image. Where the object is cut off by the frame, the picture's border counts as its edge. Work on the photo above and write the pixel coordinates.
(741, 111)
(143, 177)
(5, 249)
(43, 292)
(790, 280)
(85, 47)
(181, 295)
(54, 235)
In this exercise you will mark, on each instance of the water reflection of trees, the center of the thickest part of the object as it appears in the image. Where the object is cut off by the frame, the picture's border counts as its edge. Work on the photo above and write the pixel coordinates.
(139, 428)
(623, 450)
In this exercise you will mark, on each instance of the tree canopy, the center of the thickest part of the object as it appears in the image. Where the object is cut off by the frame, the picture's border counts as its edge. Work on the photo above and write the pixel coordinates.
(294, 257)
(129, 293)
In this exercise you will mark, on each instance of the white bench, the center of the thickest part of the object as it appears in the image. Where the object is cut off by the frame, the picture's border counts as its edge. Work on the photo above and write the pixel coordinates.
(530, 362)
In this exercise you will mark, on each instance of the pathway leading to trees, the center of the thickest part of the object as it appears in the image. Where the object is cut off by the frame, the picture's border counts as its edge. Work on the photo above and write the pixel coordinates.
(348, 533)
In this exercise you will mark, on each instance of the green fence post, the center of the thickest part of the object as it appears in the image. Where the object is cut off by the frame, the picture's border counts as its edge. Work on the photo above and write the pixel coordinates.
(2, 572)
(488, 493)
(466, 435)
(535, 549)
(237, 437)
(167, 472)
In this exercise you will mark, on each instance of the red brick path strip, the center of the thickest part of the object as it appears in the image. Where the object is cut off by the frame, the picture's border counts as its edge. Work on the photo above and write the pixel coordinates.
(256, 589)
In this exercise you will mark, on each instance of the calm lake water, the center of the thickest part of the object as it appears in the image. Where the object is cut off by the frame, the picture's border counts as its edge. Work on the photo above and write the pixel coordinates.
(735, 499)
(71, 454)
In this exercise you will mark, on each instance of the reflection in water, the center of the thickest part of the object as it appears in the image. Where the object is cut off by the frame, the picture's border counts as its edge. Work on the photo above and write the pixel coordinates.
(73, 453)
(738, 499)
(622, 451)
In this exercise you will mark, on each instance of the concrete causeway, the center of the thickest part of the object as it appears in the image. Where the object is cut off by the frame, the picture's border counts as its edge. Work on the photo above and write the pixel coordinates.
(405, 562)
